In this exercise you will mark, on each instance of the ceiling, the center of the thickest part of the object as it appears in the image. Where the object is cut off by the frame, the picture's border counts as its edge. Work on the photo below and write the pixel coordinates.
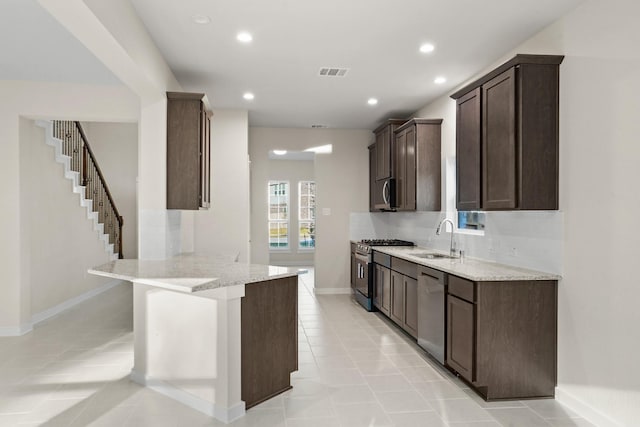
(376, 40)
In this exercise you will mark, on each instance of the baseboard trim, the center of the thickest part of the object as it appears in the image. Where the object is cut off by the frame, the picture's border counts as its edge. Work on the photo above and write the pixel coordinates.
(25, 328)
(332, 291)
(292, 263)
(54, 311)
(225, 415)
(16, 331)
(586, 411)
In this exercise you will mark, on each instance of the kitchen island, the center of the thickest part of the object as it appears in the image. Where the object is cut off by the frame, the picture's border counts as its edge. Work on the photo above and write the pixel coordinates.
(217, 335)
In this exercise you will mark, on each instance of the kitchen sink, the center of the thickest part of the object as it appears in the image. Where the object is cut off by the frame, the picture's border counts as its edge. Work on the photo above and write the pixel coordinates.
(431, 255)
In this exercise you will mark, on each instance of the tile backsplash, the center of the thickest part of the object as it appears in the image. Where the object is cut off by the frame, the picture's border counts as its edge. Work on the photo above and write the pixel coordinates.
(529, 239)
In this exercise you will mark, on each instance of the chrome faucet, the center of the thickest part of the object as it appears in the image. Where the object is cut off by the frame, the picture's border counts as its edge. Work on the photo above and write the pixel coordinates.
(452, 252)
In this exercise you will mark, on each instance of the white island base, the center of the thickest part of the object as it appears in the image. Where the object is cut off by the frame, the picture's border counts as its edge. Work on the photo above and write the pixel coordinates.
(188, 347)
(206, 348)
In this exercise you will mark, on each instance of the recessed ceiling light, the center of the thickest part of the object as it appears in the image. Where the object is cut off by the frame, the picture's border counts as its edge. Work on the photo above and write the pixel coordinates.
(201, 19)
(322, 149)
(427, 48)
(439, 80)
(279, 152)
(372, 101)
(244, 37)
(248, 96)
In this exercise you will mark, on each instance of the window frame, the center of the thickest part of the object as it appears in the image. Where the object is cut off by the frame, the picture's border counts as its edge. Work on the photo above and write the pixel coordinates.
(286, 221)
(312, 211)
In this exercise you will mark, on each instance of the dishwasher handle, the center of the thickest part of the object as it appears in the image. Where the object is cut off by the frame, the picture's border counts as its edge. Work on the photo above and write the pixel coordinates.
(434, 274)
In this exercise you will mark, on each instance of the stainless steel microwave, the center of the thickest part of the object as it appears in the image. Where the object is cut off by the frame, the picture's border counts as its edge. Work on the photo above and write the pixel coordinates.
(385, 194)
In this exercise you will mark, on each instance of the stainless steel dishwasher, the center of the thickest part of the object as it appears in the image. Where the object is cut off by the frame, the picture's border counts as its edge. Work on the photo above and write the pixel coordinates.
(431, 298)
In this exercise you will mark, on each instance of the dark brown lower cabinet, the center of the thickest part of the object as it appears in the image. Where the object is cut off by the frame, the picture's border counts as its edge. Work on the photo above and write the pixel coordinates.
(460, 336)
(269, 313)
(382, 289)
(404, 302)
(397, 298)
(501, 336)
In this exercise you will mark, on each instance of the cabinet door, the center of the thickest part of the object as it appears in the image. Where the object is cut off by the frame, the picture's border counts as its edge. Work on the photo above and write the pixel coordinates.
(468, 143)
(383, 153)
(400, 154)
(397, 298)
(188, 151)
(411, 306)
(372, 179)
(205, 158)
(410, 169)
(382, 289)
(460, 337)
(499, 151)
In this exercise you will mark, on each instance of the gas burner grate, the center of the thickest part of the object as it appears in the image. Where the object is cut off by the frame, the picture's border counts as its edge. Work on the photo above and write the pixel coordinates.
(386, 242)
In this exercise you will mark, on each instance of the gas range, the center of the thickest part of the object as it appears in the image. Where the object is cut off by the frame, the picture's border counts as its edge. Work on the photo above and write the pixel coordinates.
(363, 274)
(365, 246)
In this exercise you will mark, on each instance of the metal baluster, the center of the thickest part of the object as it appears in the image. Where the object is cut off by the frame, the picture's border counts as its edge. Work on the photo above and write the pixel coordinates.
(75, 150)
(66, 138)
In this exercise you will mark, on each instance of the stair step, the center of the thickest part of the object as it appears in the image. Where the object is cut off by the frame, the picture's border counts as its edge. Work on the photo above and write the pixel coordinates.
(74, 177)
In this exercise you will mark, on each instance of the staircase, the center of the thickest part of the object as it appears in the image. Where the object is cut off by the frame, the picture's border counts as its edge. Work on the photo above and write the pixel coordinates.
(72, 150)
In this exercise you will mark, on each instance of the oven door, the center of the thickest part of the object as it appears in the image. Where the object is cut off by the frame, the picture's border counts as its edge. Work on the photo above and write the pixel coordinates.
(363, 275)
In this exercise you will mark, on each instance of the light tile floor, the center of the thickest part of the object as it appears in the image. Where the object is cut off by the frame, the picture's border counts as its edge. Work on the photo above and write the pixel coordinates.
(356, 369)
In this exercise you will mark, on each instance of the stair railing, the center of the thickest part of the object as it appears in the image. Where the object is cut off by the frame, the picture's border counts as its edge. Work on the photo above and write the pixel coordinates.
(76, 146)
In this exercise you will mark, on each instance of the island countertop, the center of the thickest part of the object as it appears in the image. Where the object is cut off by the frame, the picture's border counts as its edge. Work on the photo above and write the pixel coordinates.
(473, 269)
(191, 272)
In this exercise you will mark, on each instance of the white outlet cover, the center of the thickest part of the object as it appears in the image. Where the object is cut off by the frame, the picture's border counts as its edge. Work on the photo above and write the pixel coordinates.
(326, 211)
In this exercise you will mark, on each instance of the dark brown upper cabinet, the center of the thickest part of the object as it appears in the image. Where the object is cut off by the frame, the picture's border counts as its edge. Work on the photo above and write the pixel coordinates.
(468, 137)
(384, 142)
(507, 137)
(375, 190)
(188, 151)
(417, 165)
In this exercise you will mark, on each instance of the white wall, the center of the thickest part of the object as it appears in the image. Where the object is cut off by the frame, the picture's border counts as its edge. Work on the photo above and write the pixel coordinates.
(598, 342)
(63, 243)
(224, 227)
(38, 101)
(115, 146)
(114, 33)
(599, 153)
(341, 188)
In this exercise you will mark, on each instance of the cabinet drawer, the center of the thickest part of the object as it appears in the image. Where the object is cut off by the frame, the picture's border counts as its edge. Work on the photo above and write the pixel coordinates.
(382, 259)
(462, 288)
(405, 267)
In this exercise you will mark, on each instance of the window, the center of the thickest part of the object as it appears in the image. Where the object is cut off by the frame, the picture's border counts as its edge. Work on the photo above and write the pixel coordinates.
(278, 215)
(471, 220)
(306, 215)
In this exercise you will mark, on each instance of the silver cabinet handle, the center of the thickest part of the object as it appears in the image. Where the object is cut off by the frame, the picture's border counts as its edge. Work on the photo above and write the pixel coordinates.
(385, 190)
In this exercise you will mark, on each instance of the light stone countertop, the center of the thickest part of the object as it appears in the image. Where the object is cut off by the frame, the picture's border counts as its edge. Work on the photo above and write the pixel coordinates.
(471, 268)
(191, 273)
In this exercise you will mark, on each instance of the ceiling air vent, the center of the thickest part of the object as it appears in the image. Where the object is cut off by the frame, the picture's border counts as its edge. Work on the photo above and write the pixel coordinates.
(332, 72)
